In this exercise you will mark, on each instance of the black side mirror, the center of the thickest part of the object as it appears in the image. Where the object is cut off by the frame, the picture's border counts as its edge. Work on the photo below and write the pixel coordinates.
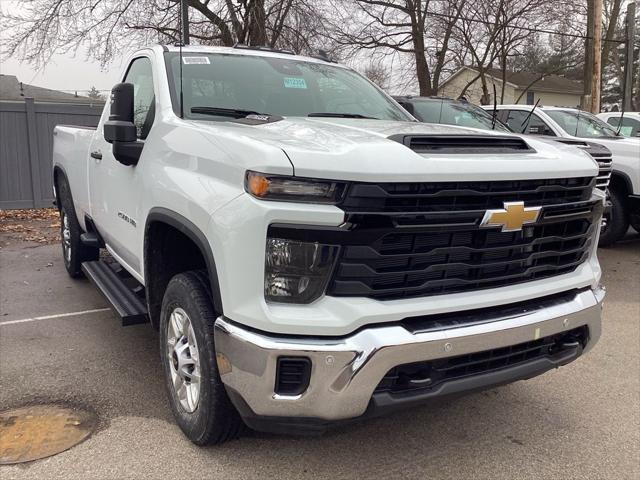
(120, 130)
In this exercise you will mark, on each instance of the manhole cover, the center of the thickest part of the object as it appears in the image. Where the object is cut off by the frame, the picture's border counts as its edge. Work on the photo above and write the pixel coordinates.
(31, 433)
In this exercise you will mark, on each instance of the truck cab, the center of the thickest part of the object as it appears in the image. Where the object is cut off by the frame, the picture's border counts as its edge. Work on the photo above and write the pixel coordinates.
(310, 254)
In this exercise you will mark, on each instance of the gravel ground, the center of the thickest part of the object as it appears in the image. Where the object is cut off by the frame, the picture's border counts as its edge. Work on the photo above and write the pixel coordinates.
(581, 421)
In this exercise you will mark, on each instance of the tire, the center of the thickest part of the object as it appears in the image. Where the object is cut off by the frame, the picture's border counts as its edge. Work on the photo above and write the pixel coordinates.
(634, 219)
(73, 251)
(201, 408)
(617, 221)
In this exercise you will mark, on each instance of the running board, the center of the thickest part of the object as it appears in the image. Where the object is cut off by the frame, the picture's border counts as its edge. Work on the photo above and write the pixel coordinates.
(123, 298)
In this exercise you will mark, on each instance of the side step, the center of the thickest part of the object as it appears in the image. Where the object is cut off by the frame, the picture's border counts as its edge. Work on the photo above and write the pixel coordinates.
(123, 299)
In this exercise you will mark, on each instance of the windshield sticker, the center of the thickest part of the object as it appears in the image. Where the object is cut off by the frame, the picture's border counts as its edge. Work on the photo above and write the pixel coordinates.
(291, 82)
(195, 60)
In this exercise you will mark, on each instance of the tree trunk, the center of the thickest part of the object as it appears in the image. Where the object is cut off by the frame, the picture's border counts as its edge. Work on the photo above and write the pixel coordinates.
(257, 25)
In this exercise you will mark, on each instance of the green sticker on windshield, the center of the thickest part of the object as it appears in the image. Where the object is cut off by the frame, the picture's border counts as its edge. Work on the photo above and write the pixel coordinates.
(291, 82)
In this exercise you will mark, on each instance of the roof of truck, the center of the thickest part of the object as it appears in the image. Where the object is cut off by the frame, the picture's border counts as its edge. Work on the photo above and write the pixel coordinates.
(247, 50)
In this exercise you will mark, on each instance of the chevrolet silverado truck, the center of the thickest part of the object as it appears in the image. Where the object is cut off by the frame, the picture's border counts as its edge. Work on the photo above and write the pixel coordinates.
(310, 253)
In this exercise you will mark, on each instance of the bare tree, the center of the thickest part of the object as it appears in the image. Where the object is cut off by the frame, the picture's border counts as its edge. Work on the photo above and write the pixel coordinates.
(42, 28)
(416, 30)
(378, 74)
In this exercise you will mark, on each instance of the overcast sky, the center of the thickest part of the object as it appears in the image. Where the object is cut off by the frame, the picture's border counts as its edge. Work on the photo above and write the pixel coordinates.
(64, 72)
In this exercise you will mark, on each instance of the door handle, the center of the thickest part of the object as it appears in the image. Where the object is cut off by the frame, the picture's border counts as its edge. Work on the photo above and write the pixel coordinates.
(97, 155)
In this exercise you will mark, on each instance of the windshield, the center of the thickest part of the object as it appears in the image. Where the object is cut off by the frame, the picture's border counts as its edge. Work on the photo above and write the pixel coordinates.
(581, 124)
(455, 113)
(274, 86)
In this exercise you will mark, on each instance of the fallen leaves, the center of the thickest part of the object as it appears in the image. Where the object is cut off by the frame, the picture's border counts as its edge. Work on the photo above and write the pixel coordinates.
(35, 225)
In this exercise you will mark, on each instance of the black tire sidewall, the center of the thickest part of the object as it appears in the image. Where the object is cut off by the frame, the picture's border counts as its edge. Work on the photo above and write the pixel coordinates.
(188, 292)
(66, 208)
(617, 223)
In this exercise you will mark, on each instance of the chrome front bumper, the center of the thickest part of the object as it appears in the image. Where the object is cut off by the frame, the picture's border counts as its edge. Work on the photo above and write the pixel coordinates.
(345, 371)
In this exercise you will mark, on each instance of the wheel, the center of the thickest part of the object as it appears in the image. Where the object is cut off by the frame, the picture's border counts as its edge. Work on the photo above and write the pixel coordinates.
(634, 219)
(617, 221)
(197, 395)
(73, 251)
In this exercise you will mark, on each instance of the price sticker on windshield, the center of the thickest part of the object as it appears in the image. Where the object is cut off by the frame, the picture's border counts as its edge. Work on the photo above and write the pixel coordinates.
(293, 82)
(196, 60)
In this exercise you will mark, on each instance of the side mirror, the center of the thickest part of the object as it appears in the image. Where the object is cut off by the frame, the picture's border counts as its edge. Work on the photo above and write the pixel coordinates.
(120, 130)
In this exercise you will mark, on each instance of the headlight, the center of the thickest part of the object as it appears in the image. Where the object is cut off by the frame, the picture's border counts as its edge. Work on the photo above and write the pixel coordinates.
(297, 272)
(293, 189)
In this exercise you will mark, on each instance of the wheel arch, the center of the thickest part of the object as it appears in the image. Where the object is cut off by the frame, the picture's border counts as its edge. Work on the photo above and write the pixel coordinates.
(58, 174)
(165, 218)
(620, 181)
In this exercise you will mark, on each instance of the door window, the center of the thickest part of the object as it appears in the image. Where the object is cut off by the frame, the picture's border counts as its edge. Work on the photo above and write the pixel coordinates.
(140, 75)
(517, 121)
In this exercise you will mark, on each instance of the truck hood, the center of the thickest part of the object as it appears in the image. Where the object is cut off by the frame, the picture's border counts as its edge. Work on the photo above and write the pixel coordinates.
(360, 150)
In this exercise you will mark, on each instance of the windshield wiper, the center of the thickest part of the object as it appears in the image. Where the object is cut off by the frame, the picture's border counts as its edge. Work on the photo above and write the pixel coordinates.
(340, 115)
(224, 112)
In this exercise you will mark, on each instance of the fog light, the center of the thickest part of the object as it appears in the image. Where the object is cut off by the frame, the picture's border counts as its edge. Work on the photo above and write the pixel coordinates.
(297, 272)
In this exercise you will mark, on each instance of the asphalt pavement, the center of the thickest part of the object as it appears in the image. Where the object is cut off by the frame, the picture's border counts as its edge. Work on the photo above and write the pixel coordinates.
(580, 421)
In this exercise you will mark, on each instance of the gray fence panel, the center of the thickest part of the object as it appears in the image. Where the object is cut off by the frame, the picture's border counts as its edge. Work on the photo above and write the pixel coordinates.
(26, 147)
(15, 170)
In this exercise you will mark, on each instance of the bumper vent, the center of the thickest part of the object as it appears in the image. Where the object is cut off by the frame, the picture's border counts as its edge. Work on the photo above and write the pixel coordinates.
(466, 144)
(423, 376)
(292, 375)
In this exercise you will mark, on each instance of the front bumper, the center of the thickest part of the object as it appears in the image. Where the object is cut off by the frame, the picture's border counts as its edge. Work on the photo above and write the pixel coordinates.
(345, 371)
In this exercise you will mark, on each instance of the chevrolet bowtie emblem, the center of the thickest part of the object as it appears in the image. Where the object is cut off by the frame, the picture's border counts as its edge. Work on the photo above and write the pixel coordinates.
(512, 217)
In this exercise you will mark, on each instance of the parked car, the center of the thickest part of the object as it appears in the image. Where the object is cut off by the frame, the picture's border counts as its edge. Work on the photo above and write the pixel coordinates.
(630, 122)
(311, 254)
(624, 189)
(445, 110)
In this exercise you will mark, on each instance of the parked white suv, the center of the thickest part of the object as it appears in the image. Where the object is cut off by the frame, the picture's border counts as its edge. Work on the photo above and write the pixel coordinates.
(624, 188)
(311, 254)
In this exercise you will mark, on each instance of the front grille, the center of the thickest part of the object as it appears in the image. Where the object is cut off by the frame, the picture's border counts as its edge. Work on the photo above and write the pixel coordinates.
(424, 239)
(599, 153)
(459, 196)
(604, 173)
(424, 376)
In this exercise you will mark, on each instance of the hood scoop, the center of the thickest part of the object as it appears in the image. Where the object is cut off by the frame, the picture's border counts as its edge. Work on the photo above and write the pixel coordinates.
(456, 144)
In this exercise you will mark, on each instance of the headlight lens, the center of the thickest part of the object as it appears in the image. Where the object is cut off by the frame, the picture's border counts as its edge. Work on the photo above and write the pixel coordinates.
(297, 272)
(293, 189)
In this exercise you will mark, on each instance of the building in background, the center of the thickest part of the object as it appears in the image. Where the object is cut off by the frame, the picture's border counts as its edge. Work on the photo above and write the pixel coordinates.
(522, 87)
(13, 90)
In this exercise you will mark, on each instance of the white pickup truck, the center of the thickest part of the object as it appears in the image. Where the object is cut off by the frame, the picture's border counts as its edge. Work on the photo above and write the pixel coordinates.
(310, 253)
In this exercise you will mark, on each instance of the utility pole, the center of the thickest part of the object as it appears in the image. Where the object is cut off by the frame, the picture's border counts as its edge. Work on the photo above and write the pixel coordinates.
(628, 69)
(597, 56)
(588, 58)
(184, 16)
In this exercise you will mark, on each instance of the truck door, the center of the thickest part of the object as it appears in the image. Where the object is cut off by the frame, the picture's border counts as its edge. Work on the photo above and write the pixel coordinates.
(115, 189)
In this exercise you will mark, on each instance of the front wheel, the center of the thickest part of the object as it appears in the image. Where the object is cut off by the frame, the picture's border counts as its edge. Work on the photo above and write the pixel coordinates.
(617, 221)
(197, 395)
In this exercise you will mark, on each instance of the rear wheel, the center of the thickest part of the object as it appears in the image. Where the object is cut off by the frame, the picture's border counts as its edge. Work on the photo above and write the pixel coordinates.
(617, 221)
(197, 395)
(73, 251)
